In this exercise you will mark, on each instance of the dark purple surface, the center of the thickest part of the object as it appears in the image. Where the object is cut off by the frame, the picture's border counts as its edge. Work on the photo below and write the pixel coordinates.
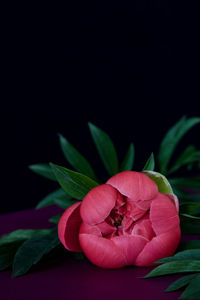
(76, 279)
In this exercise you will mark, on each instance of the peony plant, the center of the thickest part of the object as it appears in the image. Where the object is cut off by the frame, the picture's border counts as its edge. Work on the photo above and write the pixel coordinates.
(135, 218)
(126, 221)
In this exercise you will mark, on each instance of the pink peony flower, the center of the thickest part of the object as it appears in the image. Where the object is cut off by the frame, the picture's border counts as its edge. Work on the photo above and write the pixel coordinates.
(126, 221)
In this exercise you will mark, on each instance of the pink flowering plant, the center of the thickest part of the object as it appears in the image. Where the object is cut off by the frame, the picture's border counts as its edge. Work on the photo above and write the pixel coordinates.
(134, 218)
(126, 221)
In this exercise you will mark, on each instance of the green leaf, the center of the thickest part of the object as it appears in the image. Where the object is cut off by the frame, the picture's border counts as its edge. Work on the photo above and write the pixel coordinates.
(193, 254)
(196, 210)
(194, 244)
(190, 228)
(189, 155)
(64, 203)
(150, 164)
(171, 139)
(43, 170)
(161, 181)
(56, 197)
(190, 183)
(190, 216)
(190, 210)
(75, 184)
(77, 160)
(181, 282)
(128, 161)
(178, 192)
(175, 267)
(7, 253)
(192, 291)
(9, 243)
(184, 195)
(188, 225)
(181, 203)
(105, 148)
(32, 250)
(55, 219)
(186, 198)
(21, 235)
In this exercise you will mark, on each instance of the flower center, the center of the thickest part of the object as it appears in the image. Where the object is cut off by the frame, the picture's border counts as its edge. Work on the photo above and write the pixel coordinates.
(116, 218)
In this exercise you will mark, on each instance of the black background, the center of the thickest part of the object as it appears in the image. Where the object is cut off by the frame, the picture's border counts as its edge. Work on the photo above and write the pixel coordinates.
(131, 68)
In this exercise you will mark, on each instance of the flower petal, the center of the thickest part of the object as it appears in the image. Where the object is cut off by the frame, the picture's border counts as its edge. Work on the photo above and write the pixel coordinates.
(68, 228)
(144, 204)
(163, 214)
(127, 224)
(120, 201)
(175, 200)
(132, 210)
(143, 227)
(134, 185)
(106, 228)
(131, 246)
(160, 246)
(98, 203)
(90, 229)
(101, 251)
(102, 229)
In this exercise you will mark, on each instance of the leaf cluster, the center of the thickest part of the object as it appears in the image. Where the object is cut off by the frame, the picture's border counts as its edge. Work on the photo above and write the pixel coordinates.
(185, 261)
(75, 183)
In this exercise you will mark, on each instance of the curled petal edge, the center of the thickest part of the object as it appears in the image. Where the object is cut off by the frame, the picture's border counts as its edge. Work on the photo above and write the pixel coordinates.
(160, 246)
(68, 228)
(134, 185)
(101, 251)
(98, 203)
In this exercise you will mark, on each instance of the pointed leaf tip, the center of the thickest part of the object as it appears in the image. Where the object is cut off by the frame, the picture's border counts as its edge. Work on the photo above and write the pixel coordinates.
(75, 184)
(32, 250)
(150, 164)
(128, 161)
(76, 160)
(172, 138)
(43, 169)
(105, 149)
(181, 282)
(58, 197)
(192, 291)
(175, 267)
